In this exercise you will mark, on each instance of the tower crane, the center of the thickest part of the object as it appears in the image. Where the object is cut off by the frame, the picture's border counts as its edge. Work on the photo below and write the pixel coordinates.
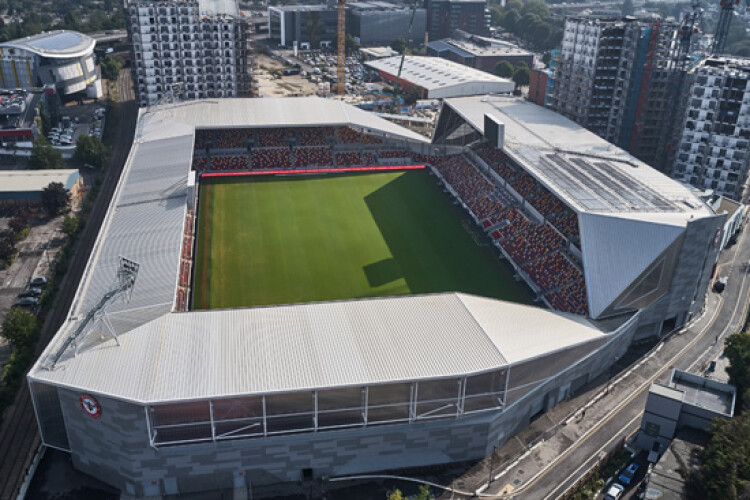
(341, 52)
(725, 21)
(396, 87)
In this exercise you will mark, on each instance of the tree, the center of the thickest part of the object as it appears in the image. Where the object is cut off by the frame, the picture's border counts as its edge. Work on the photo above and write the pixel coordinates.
(411, 95)
(511, 19)
(396, 495)
(18, 223)
(18, 326)
(522, 76)
(547, 57)
(7, 247)
(627, 8)
(424, 493)
(737, 351)
(111, 66)
(726, 462)
(504, 69)
(55, 198)
(70, 225)
(399, 45)
(44, 156)
(351, 43)
(90, 150)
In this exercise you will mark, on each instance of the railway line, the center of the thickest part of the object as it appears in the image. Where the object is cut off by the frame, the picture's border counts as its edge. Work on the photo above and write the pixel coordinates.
(19, 434)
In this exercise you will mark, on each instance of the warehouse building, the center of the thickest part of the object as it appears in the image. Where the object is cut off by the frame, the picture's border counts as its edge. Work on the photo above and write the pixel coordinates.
(440, 78)
(479, 52)
(27, 185)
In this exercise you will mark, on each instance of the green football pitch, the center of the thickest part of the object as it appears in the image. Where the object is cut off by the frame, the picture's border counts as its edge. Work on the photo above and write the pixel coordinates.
(282, 240)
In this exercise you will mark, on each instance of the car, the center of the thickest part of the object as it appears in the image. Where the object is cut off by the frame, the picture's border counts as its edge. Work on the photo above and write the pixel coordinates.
(38, 282)
(31, 292)
(628, 474)
(26, 302)
(614, 492)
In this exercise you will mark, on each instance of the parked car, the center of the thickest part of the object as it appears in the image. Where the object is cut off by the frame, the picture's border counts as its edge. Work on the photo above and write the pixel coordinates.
(26, 302)
(38, 282)
(614, 492)
(31, 292)
(628, 474)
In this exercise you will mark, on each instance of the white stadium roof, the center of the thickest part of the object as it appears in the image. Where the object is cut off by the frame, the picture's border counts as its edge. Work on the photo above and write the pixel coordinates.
(443, 78)
(269, 112)
(202, 354)
(166, 355)
(58, 44)
(628, 213)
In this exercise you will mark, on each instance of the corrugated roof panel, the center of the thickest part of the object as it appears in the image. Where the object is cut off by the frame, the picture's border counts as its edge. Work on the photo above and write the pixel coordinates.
(298, 347)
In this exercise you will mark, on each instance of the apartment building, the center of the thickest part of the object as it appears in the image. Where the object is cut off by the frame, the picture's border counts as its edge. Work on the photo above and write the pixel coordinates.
(614, 77)
(715, 131)
(188, 49)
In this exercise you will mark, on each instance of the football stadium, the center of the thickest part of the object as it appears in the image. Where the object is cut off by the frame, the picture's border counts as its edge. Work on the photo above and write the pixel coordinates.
(288, 289)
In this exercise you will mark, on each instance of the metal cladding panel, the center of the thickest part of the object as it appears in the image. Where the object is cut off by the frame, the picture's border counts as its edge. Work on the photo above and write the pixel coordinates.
(616, 251)
(205, 354)
(582, 169)
(544, 331)
(272, 112)
(436, 74)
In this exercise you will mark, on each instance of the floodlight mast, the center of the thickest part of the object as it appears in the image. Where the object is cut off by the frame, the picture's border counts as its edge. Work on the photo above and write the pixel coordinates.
(121, 288)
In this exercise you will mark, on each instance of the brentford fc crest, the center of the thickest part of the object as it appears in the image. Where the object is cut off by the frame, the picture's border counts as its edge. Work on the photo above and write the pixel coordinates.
(90, 406)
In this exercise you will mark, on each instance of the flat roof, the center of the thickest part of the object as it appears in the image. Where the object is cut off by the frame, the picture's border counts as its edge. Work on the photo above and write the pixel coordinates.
(218, 7)
(704, 393)
(260, 350)
(479, 50)
(434, 73)
(14, 181)
(55, 44)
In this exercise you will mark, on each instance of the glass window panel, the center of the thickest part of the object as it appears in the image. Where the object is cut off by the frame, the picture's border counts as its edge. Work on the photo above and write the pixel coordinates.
(293, 402)
(486, 382)
(181, 413)
(197, 432)
(226, 409)
(476, 403)
(428, 390)
(435, 409)
(235, 428)
(386, 413)
(336, 418)
(290, 423)
(336, 399)
(389, 394)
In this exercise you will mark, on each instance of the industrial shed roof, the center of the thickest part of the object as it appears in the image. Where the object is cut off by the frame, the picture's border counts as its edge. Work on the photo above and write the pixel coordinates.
(443, 78)
(14, 181)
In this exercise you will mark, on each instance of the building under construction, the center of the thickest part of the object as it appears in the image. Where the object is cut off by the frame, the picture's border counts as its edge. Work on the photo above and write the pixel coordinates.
(616, 78)
(715, 130)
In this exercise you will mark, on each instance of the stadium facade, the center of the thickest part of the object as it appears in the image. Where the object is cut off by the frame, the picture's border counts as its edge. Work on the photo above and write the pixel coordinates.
(189, 401)
(61, 59)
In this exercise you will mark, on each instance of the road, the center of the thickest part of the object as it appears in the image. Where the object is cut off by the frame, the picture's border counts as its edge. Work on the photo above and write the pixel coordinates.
(19, 436)
(556, 450)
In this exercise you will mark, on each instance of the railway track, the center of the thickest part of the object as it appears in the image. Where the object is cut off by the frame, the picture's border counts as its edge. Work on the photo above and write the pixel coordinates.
(19, 435)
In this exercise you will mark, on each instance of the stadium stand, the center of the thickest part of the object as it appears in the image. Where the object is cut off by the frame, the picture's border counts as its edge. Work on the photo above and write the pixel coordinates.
(313, 157)
(348, 158)
(220, 163)
(539, 249)
(271, 158)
